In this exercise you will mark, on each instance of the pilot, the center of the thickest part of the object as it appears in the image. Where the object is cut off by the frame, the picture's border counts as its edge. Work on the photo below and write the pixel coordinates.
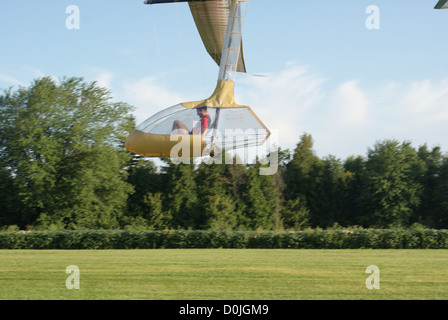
(200, 128)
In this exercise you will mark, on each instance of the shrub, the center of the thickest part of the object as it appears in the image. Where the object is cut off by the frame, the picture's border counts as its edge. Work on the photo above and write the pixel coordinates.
(305, 239)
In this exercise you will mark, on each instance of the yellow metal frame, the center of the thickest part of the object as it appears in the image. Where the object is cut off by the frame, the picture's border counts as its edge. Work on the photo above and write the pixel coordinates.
(222, 97)
(161, 145)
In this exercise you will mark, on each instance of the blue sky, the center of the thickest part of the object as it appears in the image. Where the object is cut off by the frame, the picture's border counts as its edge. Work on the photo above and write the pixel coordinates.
(313, 66)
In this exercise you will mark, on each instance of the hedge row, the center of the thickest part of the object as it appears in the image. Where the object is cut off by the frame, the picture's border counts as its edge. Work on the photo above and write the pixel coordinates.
(307, 239)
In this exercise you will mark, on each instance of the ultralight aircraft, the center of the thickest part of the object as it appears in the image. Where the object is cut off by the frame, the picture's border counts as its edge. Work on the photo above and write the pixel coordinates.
(229, 125)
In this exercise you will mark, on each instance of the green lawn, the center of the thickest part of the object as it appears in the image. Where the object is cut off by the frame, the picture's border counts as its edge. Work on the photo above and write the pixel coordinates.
(224, 274)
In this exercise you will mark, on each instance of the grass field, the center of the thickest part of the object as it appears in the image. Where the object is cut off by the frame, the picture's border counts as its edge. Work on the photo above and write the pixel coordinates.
(224, 274)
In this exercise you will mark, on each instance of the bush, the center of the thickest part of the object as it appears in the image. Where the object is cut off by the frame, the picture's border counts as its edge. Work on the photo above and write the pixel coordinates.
(306, 239)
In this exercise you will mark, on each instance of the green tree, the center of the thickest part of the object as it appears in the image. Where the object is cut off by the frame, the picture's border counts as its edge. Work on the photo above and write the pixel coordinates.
(431, 181)
(299, 175)
(355, 213)
(217, 208)
(10, 208)
(302, 177)
(145, 208)
(295, 215)
(144, 177)
(391, 192)
(434, 179)
(155, 215)
(332, 193)
(181, 197)
(220, 210)
(260, 199)
(61, 141)
(235, 175)
(439, 217)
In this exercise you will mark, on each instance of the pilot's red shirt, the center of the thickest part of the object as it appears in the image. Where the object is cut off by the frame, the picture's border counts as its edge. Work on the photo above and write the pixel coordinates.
(203, 124)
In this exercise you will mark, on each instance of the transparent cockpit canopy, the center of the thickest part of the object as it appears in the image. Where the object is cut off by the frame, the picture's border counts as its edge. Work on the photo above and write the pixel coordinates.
(230, 127)
(162, 122)
(236, 128)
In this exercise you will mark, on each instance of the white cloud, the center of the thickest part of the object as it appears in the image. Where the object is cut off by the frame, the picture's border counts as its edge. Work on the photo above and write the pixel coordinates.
(103, 77)
(414, 111)
(283, 101)
(8, 81)
(34, 72)
(419, 113)
(347, 118)
(147, 96)
(426, 102)
(20, 73)
(351, 106)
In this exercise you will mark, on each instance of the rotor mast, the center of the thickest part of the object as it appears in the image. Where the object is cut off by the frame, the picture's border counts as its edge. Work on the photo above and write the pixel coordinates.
(232, 41)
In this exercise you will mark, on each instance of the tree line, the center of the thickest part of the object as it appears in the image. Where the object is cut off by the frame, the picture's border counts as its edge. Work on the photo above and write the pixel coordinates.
(63, 166)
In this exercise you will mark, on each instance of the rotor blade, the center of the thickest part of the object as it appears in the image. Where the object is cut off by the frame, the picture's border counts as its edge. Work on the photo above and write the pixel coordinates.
(171, 1)
(442, 4)
(211, 19)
